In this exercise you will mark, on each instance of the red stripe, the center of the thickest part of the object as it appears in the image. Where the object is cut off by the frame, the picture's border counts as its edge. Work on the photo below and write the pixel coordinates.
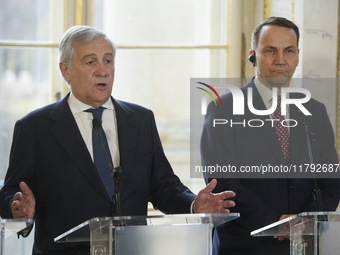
(213, 90)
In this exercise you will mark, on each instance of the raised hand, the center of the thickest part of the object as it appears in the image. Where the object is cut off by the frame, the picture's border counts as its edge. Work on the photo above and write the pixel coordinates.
(207, 202)
(23, 206)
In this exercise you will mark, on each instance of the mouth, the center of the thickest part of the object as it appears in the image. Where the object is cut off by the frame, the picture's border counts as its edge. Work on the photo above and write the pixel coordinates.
(101, 85)
(281, 71)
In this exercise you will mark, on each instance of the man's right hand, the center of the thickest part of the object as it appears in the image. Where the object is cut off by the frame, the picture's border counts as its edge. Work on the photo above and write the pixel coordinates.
(23, 206)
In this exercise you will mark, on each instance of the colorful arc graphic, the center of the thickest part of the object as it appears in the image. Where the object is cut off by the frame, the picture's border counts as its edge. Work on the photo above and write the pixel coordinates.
(218, 96)
(209, 94)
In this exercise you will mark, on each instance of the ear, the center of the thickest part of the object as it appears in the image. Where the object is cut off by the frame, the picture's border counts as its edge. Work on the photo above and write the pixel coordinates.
(65, 71)
(250, 52)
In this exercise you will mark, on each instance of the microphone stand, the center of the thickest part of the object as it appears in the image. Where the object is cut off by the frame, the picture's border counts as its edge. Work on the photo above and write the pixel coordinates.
(116, 173)
(316, 192)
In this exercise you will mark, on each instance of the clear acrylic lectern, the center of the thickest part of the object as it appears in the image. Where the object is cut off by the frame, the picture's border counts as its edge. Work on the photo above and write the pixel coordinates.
(9, 229)
(169, 234)
(313, 233)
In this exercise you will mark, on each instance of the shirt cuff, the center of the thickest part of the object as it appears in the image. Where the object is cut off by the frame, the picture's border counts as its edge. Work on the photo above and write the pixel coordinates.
(192, 207)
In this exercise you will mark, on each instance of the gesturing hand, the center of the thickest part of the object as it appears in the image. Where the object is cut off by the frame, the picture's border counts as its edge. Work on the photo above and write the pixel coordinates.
(23, 205)
(285, 228)
(206, 202)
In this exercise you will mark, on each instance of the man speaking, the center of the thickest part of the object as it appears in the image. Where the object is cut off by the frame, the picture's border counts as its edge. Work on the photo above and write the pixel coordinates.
(63, 154)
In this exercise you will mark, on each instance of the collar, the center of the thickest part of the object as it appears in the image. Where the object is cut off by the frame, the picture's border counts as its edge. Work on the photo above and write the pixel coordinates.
(77, 106)
(265, 93)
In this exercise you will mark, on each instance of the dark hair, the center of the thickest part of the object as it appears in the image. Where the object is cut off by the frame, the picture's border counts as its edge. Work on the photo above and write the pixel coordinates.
(273, 21)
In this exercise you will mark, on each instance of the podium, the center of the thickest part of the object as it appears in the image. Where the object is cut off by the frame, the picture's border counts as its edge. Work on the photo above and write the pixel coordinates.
(8, 231)
(169, 234)
(312, 233)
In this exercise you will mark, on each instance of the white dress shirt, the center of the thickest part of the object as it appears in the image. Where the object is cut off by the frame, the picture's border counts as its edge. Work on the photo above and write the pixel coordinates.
(267, 97)
(109, 124)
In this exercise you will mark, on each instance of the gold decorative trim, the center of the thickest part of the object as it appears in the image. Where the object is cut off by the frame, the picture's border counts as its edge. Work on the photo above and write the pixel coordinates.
(337, 133)
(53, 57)
(64, 88)
(229, 38)
(53, 20)
(79, 12)
(293, 10)
(65, 15)
(53, 68)
(92, 11)
(243, 53)
(212, 15)
(266, 9)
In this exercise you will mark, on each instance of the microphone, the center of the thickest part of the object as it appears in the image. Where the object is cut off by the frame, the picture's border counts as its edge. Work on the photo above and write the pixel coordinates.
(115, 171)
(316, 192)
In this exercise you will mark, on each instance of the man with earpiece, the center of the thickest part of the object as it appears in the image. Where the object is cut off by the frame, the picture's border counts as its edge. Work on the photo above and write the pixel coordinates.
(262, 201)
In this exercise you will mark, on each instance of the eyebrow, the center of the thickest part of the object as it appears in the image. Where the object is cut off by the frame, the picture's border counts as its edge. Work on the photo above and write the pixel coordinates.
(273, 47)
(92, 55)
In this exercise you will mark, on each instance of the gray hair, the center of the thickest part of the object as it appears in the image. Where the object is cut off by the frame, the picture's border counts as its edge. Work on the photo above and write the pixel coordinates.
(82, 35)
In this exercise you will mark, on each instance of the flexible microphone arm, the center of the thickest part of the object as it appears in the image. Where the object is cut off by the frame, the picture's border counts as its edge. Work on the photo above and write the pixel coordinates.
(115, 171)
(316, 192)
(116, 196)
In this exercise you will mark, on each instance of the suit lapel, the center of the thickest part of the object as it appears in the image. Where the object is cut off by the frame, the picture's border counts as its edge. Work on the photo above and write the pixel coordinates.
(267, 130)
(67, 133)
(128, 130)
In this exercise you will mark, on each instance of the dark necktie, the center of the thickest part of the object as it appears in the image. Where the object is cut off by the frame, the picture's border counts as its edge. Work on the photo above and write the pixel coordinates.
(281, 131)
(100, 161)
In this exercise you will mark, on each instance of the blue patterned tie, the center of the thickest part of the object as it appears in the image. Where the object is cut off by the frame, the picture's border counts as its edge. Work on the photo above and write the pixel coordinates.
(100, 161)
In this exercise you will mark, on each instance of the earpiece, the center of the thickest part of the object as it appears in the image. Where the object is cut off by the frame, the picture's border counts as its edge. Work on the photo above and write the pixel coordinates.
(252, 58)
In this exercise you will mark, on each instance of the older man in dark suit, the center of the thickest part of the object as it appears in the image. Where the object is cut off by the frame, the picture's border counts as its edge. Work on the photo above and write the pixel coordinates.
(55, 173)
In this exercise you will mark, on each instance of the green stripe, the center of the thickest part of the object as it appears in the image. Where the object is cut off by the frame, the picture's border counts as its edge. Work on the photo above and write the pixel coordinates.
(209, 94)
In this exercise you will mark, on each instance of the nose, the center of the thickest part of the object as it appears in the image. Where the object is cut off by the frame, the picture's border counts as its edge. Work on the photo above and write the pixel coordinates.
(280, 58)
(101, 70)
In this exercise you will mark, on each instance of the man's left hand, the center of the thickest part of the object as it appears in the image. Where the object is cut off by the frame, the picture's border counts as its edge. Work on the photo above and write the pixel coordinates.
(206, 202)
(285, 228)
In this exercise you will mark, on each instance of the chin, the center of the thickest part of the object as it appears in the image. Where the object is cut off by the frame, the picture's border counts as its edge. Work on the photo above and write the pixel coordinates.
(279, 81)
(101, 100)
